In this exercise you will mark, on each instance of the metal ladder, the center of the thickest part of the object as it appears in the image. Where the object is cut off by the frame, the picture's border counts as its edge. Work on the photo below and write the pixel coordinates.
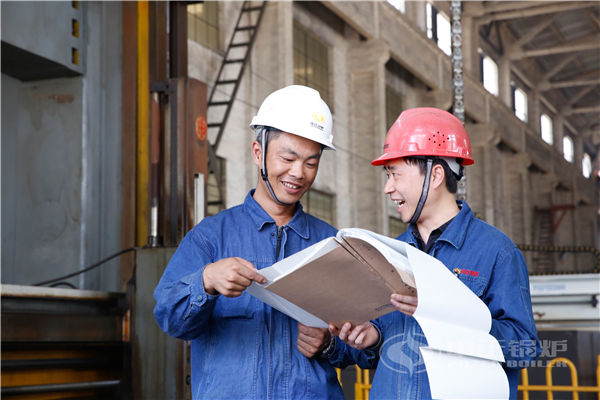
(232, 68)
(220, 101)
(543, 261)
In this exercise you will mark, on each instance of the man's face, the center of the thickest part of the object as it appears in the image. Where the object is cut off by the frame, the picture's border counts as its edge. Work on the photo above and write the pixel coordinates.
(292, 164)
(404, 184)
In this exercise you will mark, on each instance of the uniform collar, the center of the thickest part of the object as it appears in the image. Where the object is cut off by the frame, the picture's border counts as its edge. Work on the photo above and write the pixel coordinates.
(456, 231)
(259, 216)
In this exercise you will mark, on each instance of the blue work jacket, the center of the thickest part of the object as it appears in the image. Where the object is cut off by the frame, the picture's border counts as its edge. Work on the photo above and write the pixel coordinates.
(241, 347)
(494, 269)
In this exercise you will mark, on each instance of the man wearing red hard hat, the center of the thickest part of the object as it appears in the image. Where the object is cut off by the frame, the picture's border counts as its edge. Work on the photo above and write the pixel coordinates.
(424, 154)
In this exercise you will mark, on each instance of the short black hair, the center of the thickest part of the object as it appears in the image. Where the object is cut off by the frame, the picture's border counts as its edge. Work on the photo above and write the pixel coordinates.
(274, 133)
(450, 177)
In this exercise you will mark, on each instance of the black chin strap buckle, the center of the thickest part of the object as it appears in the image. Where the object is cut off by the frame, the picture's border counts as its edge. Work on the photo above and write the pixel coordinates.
(424, 193)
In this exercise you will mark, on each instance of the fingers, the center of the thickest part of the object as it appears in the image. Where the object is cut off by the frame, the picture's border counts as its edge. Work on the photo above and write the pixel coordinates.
(312, 340)
(248, 271)
(333, 330)
(230, 276)
(405, 304)
(359, 336)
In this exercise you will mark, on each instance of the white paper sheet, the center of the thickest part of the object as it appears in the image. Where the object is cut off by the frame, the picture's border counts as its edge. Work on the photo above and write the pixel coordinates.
(462, 358)
(455, 376)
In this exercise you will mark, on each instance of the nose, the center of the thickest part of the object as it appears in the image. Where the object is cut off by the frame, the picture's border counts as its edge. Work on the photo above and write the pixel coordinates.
(389, 185)
(297, 170)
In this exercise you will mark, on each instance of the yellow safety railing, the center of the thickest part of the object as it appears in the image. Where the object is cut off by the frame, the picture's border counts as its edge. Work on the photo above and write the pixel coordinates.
(363, 382)
(549, 388)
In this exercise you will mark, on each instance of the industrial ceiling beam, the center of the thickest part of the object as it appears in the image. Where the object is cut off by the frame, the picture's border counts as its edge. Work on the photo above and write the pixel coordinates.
(589, 42)
(571, 83)
(582, 110)
(532, 33)
(594, 18)
(541, 8)
(558, 67)
(579, 96)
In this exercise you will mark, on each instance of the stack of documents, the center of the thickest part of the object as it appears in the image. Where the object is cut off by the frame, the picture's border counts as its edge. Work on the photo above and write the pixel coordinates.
(350, 277)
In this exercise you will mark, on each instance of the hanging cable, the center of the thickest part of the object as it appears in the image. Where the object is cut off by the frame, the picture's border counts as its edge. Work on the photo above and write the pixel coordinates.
(99, 263)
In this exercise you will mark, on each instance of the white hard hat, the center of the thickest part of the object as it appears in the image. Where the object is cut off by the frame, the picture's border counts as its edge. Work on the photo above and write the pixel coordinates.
(298, 110)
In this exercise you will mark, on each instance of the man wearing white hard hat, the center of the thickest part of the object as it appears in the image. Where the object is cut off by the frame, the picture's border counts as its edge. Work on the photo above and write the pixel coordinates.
(241, 347)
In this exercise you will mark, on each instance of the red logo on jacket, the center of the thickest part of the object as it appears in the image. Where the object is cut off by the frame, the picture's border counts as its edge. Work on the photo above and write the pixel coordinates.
(458, 271)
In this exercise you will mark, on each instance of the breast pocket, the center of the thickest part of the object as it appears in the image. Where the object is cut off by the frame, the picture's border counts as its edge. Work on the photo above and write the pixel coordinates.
(475, 283)
(243, 306)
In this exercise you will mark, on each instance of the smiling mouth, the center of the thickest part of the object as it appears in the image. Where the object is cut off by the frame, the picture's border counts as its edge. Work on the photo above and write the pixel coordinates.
(399, 202)
(291, 186)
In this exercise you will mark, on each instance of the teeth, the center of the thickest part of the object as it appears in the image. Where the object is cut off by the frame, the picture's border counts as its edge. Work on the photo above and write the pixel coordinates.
(398, 202)
(289, 185)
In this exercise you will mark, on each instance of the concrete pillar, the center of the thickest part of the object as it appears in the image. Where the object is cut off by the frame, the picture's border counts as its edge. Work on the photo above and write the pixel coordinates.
(504, 88)
(558, 132)
(470, 45)
(578, 152)
(534, 111)
(483, 175)
(366, 78)
(516, 197)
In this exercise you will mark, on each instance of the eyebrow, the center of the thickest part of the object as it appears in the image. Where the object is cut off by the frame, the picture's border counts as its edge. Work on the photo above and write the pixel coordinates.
(288, 150)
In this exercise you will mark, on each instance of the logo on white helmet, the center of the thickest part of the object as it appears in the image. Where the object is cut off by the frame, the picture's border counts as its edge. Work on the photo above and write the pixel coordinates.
(318, 120)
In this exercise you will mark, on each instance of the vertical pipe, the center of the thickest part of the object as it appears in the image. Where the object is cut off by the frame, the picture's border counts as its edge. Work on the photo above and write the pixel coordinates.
(457, 80)
(155, 240)
(198, 198)
(143, 95)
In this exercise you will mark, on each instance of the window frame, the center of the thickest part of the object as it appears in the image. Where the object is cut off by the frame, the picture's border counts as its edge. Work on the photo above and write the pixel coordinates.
(324, 91)
(306, 204)
(518, 89)
(543, 134)
(570, 157)
(482, 60)
(204, 22)
(586, 168)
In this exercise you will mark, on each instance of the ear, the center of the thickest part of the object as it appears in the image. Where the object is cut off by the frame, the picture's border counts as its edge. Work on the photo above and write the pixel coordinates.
(256, 153)
(438, 177)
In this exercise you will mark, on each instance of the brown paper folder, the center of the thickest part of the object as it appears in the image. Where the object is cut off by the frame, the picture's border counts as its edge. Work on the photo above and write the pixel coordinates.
(353, 283)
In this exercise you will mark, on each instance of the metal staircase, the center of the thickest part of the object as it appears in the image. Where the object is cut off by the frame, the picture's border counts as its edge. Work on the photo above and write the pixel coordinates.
(543, 236)
(223, 92)
(232, 68)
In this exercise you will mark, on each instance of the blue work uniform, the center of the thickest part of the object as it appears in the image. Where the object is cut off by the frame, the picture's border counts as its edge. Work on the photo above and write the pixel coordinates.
(241, 347)
(490, 264)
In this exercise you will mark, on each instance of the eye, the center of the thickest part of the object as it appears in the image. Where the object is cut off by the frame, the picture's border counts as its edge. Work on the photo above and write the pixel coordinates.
(286, 159)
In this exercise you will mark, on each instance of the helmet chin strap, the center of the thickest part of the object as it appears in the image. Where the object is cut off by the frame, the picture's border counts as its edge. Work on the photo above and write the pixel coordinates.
(424, 193)
(263, 171)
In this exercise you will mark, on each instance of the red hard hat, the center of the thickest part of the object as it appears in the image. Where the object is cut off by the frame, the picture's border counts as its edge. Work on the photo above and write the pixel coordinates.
(426, 131)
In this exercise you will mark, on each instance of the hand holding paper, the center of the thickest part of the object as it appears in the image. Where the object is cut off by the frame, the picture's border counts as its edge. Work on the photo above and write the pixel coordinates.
(230, 276)
(358, 336)
(405, 304)
(352, 277)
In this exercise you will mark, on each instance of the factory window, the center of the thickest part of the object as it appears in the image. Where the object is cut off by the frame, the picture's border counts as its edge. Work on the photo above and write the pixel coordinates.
(400, 5)
(320, 205)
(203, 23)
(393, 106)
(520, 103)
(311, 62)
(568, 148)
(586, 165)
(546, 128)
(396, 226)
(489, 74)
(438, 28)
(215, 199)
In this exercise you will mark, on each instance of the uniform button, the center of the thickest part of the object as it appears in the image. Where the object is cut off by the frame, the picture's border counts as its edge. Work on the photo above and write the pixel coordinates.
(272, 234)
